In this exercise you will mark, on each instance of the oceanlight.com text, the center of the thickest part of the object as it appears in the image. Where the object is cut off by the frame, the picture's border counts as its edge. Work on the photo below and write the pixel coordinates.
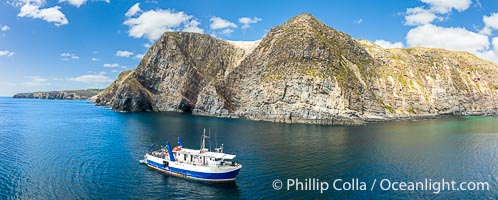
(435, 186)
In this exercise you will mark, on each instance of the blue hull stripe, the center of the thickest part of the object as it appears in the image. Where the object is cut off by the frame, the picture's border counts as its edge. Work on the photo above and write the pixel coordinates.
(199, 175)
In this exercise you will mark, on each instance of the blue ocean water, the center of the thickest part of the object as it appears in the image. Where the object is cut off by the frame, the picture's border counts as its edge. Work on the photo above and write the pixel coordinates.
(55, 149)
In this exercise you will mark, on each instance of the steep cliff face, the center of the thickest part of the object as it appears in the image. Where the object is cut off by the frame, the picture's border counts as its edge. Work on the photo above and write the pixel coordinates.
(172, 73)
(434, 81)
(303, 72)
(62, 95)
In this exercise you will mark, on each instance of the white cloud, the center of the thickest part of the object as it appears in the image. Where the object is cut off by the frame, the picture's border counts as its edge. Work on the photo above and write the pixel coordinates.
(459, 39)
(153, 23)
(135, 9)
(115, 71)
(220, 23)
(193, 26)
(139, 56)
(67, 56)
(226, 32)
(6, 53)
(423, 15)
(495, 45)
(445, 6)
(358, 21)
(93, 78)
(76, 3)
(114, 65)
(36, 81)
(95, 59)
(4, 28)
(418, 16)
(52, 14)
(247, 21)
(147, 45)
(490, 23)
(20, 3)
(388, 45)
(124, 53)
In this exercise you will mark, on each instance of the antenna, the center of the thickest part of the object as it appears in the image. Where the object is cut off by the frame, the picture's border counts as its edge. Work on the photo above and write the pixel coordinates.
(215, 140)
(209, 139)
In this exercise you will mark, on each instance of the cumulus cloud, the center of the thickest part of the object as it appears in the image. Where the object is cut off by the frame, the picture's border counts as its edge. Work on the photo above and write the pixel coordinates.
(135, 9)
(153, 23)
(114, 65)
(427, 34)
(418, 16)
(124, 53)
(67, 56)
(490, 23)
(36, 81)
(358, 21)
(52, 14)
(95, 59)
(92, 78)
(495, 44)
(111, 65)
(433, 10)
(226, 32)
(20, 3)
(445, 6)
(139, 56)
(193, 26)
(388, 45)
(220, 23)
(459, 39)
(76, 3)
(5, 28)
(6, 53)
(247, 21)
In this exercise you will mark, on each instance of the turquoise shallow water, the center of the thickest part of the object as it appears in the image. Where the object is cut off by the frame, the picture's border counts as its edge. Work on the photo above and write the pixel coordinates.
(52, 149)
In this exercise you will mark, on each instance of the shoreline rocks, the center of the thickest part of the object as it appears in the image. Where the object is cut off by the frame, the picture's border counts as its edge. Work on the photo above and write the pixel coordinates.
(303, 72)
(61, 95)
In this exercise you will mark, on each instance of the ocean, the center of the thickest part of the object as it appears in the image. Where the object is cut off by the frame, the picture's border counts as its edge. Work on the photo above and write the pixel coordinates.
(61, 149)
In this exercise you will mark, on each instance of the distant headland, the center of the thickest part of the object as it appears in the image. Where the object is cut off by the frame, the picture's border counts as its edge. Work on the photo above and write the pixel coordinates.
(66, 94)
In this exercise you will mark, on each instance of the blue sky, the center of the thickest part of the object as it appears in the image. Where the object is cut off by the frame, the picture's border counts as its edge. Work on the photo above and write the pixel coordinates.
(77, 44)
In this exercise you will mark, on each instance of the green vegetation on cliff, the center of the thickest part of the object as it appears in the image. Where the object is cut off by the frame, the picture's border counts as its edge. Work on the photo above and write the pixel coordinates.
(303, 72)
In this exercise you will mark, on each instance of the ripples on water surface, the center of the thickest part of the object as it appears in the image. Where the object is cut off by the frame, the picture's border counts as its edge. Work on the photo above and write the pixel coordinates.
(74, 150)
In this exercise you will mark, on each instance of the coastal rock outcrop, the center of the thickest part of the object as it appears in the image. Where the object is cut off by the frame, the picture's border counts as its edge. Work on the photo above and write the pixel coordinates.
(62, 95)
(303, 72)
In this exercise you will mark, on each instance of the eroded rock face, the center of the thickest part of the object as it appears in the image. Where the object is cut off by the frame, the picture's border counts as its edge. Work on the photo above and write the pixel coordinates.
(303, 72)
(172, 74)
(434, 81)
(61, 95)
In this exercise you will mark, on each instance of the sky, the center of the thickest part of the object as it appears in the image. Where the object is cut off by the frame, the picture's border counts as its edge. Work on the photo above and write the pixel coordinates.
(79, 44)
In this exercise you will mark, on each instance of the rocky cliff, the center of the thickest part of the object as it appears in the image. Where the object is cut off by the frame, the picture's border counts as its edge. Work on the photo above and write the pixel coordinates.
(66, 95)
(303, 72)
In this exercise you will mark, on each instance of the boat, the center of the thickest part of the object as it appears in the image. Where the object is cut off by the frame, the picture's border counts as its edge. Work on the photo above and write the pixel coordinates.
(201, 164)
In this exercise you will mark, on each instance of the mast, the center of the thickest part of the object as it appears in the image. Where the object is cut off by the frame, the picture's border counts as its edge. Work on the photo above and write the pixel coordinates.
(203, 143)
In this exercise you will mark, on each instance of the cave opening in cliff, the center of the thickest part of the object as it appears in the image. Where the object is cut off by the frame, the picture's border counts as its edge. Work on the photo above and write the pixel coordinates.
(185, 106)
